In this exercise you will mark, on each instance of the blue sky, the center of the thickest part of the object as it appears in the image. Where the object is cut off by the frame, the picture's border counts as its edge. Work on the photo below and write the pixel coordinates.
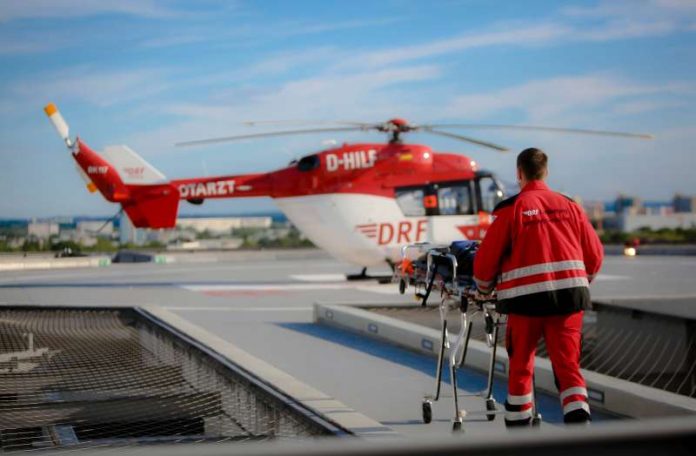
(150, 73)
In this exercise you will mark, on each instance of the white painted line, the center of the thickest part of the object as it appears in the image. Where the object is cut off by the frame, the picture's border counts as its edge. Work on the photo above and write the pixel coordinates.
(240, 309)
(628, 298)
(386, 289)
(611, 278)
(319, 277)
(266, 287)
(144, 269)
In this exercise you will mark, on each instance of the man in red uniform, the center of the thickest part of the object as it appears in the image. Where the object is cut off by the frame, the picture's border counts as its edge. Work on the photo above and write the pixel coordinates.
(540, 254)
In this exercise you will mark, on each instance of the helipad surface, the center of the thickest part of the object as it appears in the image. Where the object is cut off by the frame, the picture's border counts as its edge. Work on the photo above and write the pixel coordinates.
(264, 306)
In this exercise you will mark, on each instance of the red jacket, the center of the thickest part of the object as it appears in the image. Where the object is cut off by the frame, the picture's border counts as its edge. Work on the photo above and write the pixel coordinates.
(540, 253)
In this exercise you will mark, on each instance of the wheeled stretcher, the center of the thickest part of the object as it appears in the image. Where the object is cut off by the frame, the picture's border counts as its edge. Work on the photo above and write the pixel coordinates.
(449, 271)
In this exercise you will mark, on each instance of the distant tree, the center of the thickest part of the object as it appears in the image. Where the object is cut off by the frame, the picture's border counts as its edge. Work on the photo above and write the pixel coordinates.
(62, 245)
(31, 245)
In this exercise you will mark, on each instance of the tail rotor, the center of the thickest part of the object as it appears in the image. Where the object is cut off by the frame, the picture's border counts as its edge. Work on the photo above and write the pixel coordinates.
(59, 124)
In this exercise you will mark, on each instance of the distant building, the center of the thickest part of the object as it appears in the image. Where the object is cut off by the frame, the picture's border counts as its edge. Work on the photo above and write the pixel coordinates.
(595, 212)
(683, 203)
(629, 222)
(223, 225)
(128, 234)
(92, 228)
(625, 204)
(207, 244)
(42, 230)
(632, 213)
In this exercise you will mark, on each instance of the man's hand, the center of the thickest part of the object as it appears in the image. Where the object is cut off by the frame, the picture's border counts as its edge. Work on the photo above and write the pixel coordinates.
(480, 295)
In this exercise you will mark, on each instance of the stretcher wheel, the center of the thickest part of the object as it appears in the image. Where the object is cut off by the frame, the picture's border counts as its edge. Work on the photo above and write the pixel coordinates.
(490, 406)
(402, 286)
(427, 412)
(536, 420)
(457, 426)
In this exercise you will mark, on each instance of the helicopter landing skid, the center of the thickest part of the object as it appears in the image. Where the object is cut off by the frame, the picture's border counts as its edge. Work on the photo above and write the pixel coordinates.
(363, 276)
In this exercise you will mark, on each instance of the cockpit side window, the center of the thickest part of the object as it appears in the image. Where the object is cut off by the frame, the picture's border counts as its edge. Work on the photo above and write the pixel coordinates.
(411, 201)
(491, 193)
(308, 163)
(455, 199)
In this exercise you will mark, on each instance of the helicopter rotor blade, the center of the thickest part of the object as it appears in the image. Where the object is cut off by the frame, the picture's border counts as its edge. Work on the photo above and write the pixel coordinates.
(463, 138)
(304, 123)
(581, 131)
(201, 142)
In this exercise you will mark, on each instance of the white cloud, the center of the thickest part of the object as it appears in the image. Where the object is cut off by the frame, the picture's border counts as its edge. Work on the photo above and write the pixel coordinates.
(12, 47)
(635, 8)
(100, 88)
(282, 62)
(307, 28)
(635, 18)
(642, 106)
(524, 36)
(41, 9)
(624, 29)
(242, 33)
(552, 33)
(364, 96)
(544, 100)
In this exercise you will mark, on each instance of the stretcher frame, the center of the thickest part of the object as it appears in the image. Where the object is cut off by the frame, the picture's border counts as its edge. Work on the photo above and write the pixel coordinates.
(459, 293)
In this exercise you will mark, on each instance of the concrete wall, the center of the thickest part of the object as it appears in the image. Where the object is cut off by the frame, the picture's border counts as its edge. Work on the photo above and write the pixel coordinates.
(611, 394)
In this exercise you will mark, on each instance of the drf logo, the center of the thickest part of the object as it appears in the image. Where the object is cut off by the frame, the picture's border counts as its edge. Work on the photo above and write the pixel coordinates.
(359, 159)
(134, 172)
(531, 212)
(400, 232)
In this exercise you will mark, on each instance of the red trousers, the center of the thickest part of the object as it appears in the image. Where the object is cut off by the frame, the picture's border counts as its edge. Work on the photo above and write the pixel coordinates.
(562, 334)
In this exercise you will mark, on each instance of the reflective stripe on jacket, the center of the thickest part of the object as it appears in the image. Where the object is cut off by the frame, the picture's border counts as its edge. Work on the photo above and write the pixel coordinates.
(540, 254)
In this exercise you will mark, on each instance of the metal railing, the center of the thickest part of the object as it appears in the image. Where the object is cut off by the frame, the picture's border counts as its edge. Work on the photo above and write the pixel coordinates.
(108, 377)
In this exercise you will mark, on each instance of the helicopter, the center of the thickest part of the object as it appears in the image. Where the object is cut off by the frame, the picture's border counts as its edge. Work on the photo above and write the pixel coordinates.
(359, 202)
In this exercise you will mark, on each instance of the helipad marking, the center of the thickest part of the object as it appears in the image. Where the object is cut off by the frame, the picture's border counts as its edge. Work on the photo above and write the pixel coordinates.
(611, 278)
(380, 289)
(319, 277)
(239, 309)
(271, 288)
(268, 287)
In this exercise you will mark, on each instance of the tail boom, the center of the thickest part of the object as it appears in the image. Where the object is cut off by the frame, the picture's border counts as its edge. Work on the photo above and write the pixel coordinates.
(148, 198)
(242, 186)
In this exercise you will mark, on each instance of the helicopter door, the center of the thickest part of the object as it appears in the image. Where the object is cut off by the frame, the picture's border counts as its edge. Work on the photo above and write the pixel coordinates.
(451, 211)
(489, 192)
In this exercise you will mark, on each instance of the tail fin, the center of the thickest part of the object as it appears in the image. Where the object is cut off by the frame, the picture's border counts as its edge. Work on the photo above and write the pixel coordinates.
(132, 168)
(123, 176)
(154, 203)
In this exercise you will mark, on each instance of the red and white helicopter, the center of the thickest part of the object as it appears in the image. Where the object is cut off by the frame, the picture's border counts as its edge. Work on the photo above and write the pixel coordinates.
(359, 202)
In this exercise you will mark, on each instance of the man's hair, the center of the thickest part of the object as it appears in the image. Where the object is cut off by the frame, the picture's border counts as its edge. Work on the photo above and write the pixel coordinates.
(533, 163)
